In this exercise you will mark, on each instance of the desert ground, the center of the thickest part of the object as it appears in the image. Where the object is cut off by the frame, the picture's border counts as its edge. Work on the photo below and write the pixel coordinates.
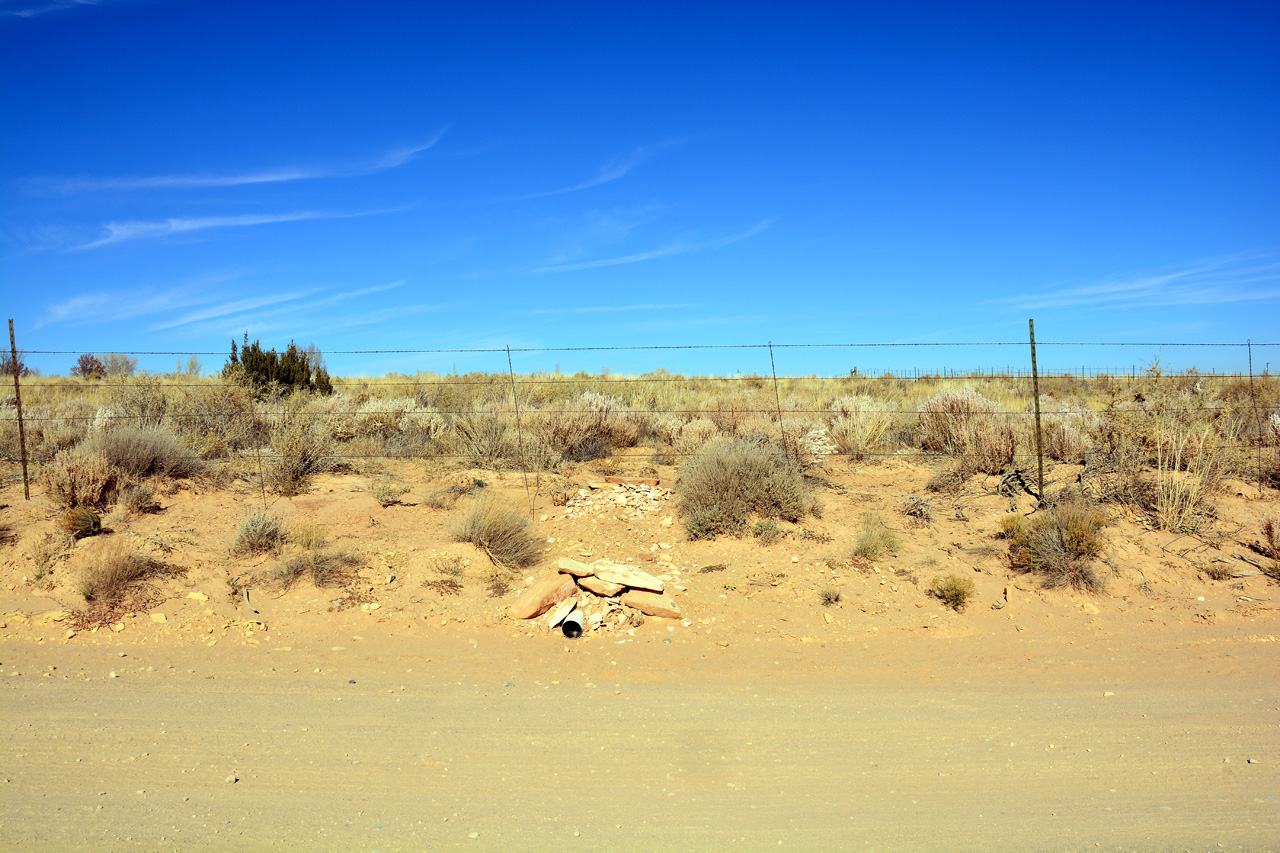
(802, 700)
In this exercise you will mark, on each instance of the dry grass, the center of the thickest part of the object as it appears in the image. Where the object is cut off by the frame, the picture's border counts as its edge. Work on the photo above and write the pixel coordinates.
(298, 451)
(80, 522)
(107, 576)
(387, 492)
(858, 425)
(728, 480)
(875, 540)
(501, 531)
(327, 568)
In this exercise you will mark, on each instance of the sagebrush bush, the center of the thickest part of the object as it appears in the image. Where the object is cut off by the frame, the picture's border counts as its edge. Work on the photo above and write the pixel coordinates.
(727, 480)
(79, 478)
(258, 533)
(954, 590)
(139, 453)
(767, 531)
(137, 500)
(1059, 544)
(386, 491)
(592, 426)
(501, 531)
(875, 540)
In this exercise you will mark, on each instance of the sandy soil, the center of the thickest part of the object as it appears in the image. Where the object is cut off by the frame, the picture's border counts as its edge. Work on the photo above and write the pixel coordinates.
(1143, 718)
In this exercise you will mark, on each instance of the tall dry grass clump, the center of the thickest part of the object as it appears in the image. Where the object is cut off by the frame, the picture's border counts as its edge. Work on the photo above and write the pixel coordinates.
(298, 451)
(966, 424)
(107, 575)
(79, 478)
(728, 480)
(875, 538)
(858, 424)
(501, 531)
(586, 428)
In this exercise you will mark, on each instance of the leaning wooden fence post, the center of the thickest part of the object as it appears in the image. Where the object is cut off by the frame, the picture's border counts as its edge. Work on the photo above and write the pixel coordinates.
(1035, 389)
(22, 431)
(778, 400)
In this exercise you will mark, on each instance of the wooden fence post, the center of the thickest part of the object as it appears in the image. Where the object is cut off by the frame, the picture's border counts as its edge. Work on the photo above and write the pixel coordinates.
(1035, 387)
(22, 431)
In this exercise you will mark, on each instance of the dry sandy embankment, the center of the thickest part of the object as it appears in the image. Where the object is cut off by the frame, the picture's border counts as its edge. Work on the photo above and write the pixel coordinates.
(1143, 718)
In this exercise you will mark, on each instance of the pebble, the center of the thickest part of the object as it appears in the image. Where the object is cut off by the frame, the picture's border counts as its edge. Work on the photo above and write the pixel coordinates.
(231, 779)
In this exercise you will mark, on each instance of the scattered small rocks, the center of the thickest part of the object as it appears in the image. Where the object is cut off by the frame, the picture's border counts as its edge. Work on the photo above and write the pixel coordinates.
(636, 499)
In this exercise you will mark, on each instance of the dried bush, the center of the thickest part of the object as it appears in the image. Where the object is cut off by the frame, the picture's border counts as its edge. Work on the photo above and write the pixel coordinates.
(875, 539)
(139, 453)
(954, 590)
(858, 425)
(79, 478)
(308, 536)
(326, 568)
(1059, 544)
(216, 419)
(299, 451)
(501, 531)
(918, 508)
(950, 479)
(964, 423)
(831, 595)
(257, 534)
(140, 401)
(728, 480)
(108, 574)
(45, 552)
(80, 522)
(592, 426)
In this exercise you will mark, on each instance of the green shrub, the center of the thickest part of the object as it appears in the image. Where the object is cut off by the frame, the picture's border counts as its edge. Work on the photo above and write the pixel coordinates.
(727, 480)
(1059, 544)
(257, 534)
(293, 370)
(78, 477)
(954, 590)
(501, 531)
(386, 491)
(875, 540)
(767, 531)
(139, 453)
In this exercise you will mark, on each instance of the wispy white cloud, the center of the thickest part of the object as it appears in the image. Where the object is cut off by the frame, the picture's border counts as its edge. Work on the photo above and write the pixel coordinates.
(107, 306)
(613, 309)
(1210, 281)
(235, 306)
(611, 171)
(35, 10)
(121, 232)
(680, 247)
(389, 160)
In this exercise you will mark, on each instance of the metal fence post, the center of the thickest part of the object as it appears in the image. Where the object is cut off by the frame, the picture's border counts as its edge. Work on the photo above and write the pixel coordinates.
(1035, 387)
(1256, 417)
(515, 405)
(778, 400)
(22, 431)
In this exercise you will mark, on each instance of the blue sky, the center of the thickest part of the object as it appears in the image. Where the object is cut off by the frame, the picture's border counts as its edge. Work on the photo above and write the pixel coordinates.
(477, 175)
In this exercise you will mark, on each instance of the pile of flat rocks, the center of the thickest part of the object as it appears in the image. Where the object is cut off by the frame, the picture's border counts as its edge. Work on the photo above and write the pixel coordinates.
(636, 500)
(604, 591)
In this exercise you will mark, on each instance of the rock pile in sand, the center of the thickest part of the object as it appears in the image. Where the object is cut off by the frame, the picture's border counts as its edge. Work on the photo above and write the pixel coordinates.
(636, 500)
(604, 591)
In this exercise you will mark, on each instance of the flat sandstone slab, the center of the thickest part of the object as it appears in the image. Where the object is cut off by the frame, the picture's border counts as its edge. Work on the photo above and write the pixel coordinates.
(602, 588)
(629, 576)
(546, 592)
(573, 567)
(652, 603)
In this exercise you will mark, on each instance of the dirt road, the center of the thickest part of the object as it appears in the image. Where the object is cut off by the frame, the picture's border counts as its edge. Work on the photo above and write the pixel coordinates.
(483, 741)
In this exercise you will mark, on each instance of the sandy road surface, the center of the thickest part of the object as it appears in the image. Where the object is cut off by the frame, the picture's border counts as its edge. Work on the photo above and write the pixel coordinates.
(636, 746)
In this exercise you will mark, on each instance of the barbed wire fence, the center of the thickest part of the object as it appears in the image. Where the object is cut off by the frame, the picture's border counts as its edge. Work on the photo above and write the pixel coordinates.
(1029, 373)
